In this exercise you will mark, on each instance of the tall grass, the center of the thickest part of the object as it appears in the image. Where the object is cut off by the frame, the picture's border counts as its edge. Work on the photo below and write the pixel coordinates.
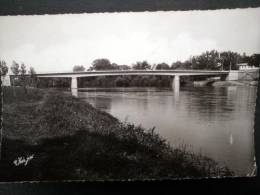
(18, 94)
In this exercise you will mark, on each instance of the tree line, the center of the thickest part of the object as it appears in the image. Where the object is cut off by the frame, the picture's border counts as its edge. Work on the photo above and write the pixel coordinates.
(20, 73)
(209, 60)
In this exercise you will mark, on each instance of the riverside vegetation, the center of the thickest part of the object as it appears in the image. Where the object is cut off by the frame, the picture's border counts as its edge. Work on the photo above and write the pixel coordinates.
(62, 137)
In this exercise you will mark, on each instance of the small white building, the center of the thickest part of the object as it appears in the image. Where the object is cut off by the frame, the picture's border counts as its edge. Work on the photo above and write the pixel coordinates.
(6, 80)
(245, 66)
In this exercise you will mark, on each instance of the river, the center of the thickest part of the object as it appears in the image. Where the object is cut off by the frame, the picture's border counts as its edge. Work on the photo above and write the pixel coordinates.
(215, 121)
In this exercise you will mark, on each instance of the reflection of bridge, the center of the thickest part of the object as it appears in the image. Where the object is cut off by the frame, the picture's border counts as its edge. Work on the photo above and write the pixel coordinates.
(174, 73)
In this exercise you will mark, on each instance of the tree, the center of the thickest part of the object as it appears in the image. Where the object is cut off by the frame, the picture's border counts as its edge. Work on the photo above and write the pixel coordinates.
(124, 67)
(114, 66)
(141, 65)
(187, 64)
(78, 68)
(255, 60)
(209, 60)
(213, 60)
(33, 77)
(121, 82)
(32, 71)
(102, 64)
(182, 65)
(23, 77)
(23, 69)
(3, 68)
(15, 68)
(176, 65)
(229, 60)
(162, 66)
(90, 68)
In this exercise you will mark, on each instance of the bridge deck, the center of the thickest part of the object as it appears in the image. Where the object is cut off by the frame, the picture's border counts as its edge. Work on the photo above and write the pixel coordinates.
(133, 72)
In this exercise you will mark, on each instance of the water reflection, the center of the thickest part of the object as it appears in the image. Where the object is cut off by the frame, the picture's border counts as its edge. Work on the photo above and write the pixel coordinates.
(231, 139)
(215, 121)
(74, 92)
(176, 95)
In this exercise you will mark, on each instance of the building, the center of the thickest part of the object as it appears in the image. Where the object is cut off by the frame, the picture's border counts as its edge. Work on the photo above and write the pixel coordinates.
(245, 66)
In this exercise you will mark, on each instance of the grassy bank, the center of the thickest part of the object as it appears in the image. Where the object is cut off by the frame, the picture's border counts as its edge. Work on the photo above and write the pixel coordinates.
(69, 139)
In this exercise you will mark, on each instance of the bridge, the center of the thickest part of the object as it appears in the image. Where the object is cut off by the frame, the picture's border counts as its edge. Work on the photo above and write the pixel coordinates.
(176, 74)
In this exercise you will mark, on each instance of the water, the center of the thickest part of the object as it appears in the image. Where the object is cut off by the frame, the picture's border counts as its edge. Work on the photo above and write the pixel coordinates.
(218, 122)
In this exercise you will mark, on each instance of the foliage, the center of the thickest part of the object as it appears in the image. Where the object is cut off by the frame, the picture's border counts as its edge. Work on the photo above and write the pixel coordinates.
(23, 69)
(123, 67)
(177, 65)
(214, 60)
(141, 65)
(209, 60)
(33, 77)
(162, 66)
(255, 60)
(3, 68)
(126, 81)
(78, 68)
(23, 72)
(229, 60)
(182, 65)
(23, 79)
(50, 112)
(53, 82)
(114, 66)
(102, 64)
(32, 72)
(108, 81)
(9, 98)
(121, 82)
(15, 68)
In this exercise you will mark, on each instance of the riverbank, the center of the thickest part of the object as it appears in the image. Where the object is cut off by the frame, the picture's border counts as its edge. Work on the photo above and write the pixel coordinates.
(223, 83)
(65, 138)
(234, 83)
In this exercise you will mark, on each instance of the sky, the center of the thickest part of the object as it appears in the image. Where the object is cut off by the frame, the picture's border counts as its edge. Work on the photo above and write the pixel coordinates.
(52, 43)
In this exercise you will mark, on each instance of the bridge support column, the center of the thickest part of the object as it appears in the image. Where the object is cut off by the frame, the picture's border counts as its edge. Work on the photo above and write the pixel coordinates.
(232, 75)
(176, 84)
(74, 86)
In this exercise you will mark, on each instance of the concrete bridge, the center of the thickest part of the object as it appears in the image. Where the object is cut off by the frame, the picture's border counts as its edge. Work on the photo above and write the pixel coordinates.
(176, 74)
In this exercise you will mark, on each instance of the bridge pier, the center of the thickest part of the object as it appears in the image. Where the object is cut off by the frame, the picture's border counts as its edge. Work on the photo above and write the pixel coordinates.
(232, 75)
(74, 86)
(176, 84)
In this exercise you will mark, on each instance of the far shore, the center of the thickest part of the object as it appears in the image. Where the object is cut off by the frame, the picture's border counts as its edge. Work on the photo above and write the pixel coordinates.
(225, 83)
(235, 83)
